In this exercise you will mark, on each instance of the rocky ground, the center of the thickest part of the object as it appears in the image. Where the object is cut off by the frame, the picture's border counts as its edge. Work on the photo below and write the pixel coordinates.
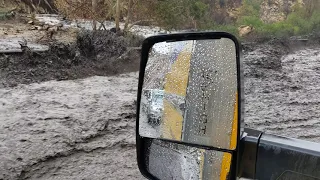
(69, 113)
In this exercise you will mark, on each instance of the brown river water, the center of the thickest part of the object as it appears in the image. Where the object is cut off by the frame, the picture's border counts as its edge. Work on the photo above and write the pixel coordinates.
(85, 128)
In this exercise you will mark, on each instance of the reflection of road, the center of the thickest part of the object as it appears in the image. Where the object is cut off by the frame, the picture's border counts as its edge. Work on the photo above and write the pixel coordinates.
(176, 82)
(156, 69)
(177, 101)
(212, 90)
(168, 161)
(146, 129)
(211, 118)
(168, 72)
(175, 161)
(211, 85)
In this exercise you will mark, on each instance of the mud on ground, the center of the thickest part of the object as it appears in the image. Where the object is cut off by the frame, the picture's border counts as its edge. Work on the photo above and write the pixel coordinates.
(18, 27)
(100, 53)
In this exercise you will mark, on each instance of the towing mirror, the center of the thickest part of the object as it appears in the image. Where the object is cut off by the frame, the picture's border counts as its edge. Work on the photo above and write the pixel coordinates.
(189, 110)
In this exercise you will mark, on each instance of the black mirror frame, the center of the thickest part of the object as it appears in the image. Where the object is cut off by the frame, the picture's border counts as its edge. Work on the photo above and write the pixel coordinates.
(146, 46)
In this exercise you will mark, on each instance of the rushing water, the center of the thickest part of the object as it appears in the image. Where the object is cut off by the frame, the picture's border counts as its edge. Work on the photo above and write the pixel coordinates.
(85, 129)
(286, 101)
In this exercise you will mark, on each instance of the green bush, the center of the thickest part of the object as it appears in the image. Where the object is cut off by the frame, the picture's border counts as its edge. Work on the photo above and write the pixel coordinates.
(250, 8)
(181, 14)
(297, 22)
(250, 20)
(315, 21)
(227, 28)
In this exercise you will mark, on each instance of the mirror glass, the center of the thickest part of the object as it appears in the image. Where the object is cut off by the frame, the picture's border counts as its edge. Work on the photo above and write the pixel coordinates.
(167, 161)
(189, 93)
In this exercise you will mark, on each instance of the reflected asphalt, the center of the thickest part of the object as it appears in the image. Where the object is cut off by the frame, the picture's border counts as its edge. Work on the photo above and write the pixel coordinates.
(212, 90)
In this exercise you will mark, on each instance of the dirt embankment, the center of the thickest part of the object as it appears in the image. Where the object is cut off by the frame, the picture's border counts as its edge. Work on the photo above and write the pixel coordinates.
(101, 53)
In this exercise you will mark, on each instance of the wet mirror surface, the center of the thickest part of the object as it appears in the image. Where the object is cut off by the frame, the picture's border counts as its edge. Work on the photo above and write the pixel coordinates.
(166, 160)
(190, 93)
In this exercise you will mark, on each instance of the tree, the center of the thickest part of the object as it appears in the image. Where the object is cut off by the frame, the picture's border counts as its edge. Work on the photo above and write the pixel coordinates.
(165, 13)
(311, 6)
(286, 8)
(117, 16)
(129, 14)
(94, 11)
(177, 14)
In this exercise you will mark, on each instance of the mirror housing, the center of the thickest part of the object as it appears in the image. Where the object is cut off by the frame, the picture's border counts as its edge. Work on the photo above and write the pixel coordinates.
(220, 143)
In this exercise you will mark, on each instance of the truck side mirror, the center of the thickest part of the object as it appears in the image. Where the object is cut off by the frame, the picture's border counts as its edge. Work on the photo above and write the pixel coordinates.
(189, 106)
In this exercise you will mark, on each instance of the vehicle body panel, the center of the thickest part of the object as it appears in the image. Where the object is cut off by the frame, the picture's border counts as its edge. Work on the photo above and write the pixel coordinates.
(287, 158)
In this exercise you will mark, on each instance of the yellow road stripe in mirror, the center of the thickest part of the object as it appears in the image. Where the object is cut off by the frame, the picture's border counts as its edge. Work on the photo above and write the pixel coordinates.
(225, 166)
(177, 78)
(176, 82)
(201, 163)
(226, 160)
(172, 125)
(234, 131)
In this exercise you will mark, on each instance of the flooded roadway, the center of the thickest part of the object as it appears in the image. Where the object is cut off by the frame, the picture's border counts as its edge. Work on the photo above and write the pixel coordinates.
(85, 129)
(285, 101)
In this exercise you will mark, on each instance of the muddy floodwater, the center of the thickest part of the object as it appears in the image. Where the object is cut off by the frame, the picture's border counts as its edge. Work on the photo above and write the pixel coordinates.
(285, 101)
(85, 128)
(81, 129)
